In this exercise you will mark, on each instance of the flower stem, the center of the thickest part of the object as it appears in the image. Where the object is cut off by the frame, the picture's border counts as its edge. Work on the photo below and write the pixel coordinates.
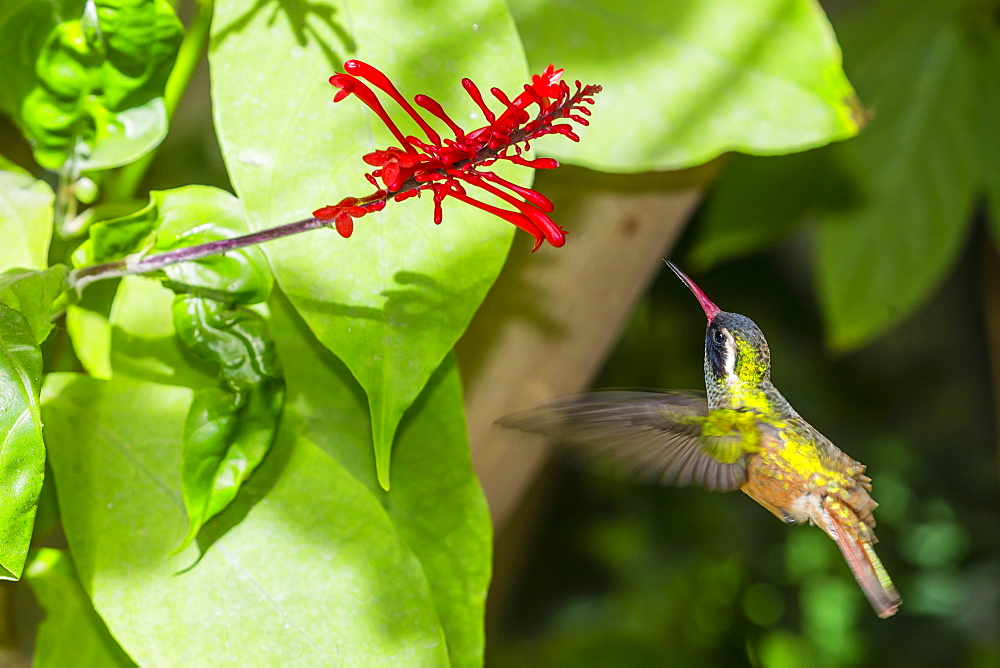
(142, 264)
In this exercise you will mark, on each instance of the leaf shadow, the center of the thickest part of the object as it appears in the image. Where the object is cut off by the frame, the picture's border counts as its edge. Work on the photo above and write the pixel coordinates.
(257, 486)
(298, 14)
(419, 296)
(360, 462)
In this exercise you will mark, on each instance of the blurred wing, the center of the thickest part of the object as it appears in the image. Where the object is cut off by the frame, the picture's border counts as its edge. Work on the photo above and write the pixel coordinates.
(656, 435)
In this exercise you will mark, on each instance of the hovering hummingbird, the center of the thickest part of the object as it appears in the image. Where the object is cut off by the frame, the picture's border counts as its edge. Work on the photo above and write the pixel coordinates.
(745, 436)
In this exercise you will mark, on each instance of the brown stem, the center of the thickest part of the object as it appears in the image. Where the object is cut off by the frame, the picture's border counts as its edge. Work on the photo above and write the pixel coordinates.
(136, 264)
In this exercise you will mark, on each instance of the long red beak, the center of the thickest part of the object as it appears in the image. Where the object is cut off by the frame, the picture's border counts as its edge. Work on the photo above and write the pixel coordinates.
(711, 310)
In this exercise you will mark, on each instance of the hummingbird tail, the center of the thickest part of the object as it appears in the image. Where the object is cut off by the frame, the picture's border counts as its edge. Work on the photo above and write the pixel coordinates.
(861, 557)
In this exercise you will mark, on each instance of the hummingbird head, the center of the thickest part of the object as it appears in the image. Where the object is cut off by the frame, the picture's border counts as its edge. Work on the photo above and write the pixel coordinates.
(735, 349)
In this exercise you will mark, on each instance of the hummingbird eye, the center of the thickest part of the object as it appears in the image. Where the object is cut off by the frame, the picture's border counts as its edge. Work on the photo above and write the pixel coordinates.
(718, 337)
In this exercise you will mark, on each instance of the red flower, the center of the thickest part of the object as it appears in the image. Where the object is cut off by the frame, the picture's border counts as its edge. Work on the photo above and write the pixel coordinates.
(447, 166)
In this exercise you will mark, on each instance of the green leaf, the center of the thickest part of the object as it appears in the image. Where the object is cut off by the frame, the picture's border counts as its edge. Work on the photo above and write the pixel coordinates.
(89, 328)
(112, 332)
(391, 300)
(758, 201)
(306, 561)
(435, 504)
(24, 27)
(88, 79)
(22, 451)
(197, 214)
(113, 239)
(123, 137)
(916, 170)
(143, 341)
(7, 165)
(72, 633)
(25, 220)
(142, 38)
(181, 217)
(37, 295)
(229, 428)
(140, 331)
(687, 80)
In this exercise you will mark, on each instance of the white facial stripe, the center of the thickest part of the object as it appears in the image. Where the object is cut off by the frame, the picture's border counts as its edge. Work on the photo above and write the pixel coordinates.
(729, 357)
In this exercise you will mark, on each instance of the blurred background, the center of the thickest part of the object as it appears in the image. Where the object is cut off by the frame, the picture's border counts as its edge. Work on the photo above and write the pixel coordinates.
(871, 266)
(618, 573)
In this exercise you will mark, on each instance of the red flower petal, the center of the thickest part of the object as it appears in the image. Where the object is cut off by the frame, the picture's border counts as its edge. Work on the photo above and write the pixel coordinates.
(345, 225)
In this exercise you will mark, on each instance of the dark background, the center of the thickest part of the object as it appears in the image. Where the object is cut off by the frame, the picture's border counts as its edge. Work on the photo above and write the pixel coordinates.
(621, 573)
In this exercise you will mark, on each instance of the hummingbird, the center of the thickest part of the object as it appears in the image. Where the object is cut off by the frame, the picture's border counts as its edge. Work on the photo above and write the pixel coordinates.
(740, 434)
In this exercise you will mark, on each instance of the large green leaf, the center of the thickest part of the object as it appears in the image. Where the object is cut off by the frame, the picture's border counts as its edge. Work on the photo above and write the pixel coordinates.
(232, 422)
(305, 567)
(758, 201)
(22, 451)
(25, 220)
(391, 300)
(72, 632)
(916, 168)
(239, 392)
(687, 80)
(87, 78)
(435, 504)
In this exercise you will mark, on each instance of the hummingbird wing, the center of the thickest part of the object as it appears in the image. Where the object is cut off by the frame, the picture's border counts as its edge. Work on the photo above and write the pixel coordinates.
(655, 434)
